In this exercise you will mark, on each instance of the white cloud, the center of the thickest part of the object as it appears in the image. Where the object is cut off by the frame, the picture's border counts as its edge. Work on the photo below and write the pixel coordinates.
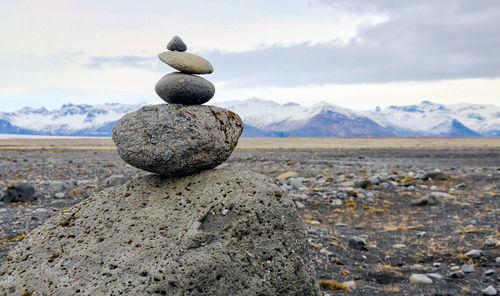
(46, 27)
(368, 96)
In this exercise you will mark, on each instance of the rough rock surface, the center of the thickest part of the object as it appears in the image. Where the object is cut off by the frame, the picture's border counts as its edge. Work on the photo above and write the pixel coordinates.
(179, 88)
(220, 232)
(177, 44)
(186, 62)
(175, 140)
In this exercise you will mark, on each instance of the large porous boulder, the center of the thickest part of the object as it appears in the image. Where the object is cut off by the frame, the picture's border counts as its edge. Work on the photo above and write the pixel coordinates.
(177, 140)
(219, 232)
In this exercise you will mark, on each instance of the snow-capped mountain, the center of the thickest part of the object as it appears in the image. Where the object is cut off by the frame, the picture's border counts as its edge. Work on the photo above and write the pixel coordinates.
(264, 118)
(430, 119)
(69, 120)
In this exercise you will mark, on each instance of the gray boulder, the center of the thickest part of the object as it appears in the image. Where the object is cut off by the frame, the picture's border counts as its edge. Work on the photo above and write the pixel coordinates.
(179, 88)
(175, 140)
(19, 192)
(220, 232)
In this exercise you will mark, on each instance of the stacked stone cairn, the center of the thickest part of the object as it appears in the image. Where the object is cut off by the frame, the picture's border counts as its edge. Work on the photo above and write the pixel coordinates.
(182, 137)
(186, 229)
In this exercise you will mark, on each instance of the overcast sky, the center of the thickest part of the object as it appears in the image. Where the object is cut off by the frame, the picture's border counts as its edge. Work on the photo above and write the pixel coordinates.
(353, 53)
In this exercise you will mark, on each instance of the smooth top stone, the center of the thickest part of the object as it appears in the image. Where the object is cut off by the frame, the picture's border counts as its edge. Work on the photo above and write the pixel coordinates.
(175, 140)
(177, 44)
(217, 233)
(186, 62)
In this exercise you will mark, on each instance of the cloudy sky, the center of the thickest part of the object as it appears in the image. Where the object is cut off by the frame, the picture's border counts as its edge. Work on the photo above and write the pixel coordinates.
(353, 53)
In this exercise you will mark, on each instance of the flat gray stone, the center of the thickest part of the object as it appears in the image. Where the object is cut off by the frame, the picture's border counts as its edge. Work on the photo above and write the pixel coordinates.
(418, 278)
(179, 88)
(176, 140)
(186, 62)
(490, 290)
(434, 275)
(467, 268)
(177, 44)
(220, 232)
(475, 254)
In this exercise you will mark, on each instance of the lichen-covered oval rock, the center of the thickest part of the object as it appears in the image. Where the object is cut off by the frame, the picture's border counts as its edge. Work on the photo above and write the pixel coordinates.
(179, 88)
(217, 233)
(177, 140)
(186, 62)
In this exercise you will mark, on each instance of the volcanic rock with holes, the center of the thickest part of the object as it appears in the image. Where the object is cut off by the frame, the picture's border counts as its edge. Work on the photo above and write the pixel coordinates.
(219, 232)
(185, 230)
(183, 87)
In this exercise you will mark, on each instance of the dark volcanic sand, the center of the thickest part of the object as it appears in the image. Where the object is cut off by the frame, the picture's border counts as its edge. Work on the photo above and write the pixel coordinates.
(402, 239)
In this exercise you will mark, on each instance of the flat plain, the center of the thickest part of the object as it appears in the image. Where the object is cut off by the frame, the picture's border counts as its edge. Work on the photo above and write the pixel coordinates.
(376, 211)
(271, 143)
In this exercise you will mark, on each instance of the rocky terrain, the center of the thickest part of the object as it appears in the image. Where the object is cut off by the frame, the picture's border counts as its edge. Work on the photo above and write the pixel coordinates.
(380, 221)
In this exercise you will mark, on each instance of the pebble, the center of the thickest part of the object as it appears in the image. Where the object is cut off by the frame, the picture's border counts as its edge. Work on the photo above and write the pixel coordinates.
(491, 242)
(116, 180)
(437, 175)
(428, 200)
(299, 205)
(357, 243)
(326, 252)
(497, 259)
(475, 254)
(336, 202)
(180, 88)
(286, 175)
(19, 192)
(436, 264)
(489, 272)
(467, 268)
(457, 274)
(490, 290)
(351, 285)
(435, 275)
(59, 195)
(363, 184)
(177, 44)
(454, 268)
(421, 234)
(418, 278)
(399, 246)
(186, 62)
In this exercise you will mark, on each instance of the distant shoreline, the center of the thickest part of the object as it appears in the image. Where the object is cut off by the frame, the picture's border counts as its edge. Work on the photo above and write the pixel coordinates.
(106, 144)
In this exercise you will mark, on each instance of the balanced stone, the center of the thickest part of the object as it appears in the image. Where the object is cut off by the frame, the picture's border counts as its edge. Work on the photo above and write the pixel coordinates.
(179, 88)
(220, 232)
(186, 62)
(176, 140)
(177, 44)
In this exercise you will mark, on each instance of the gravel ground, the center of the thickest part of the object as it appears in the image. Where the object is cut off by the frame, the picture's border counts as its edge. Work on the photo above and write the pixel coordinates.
(375, 218)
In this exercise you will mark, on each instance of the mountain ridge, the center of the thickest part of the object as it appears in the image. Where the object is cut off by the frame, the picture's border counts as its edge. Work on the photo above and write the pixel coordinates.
(266, 118)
